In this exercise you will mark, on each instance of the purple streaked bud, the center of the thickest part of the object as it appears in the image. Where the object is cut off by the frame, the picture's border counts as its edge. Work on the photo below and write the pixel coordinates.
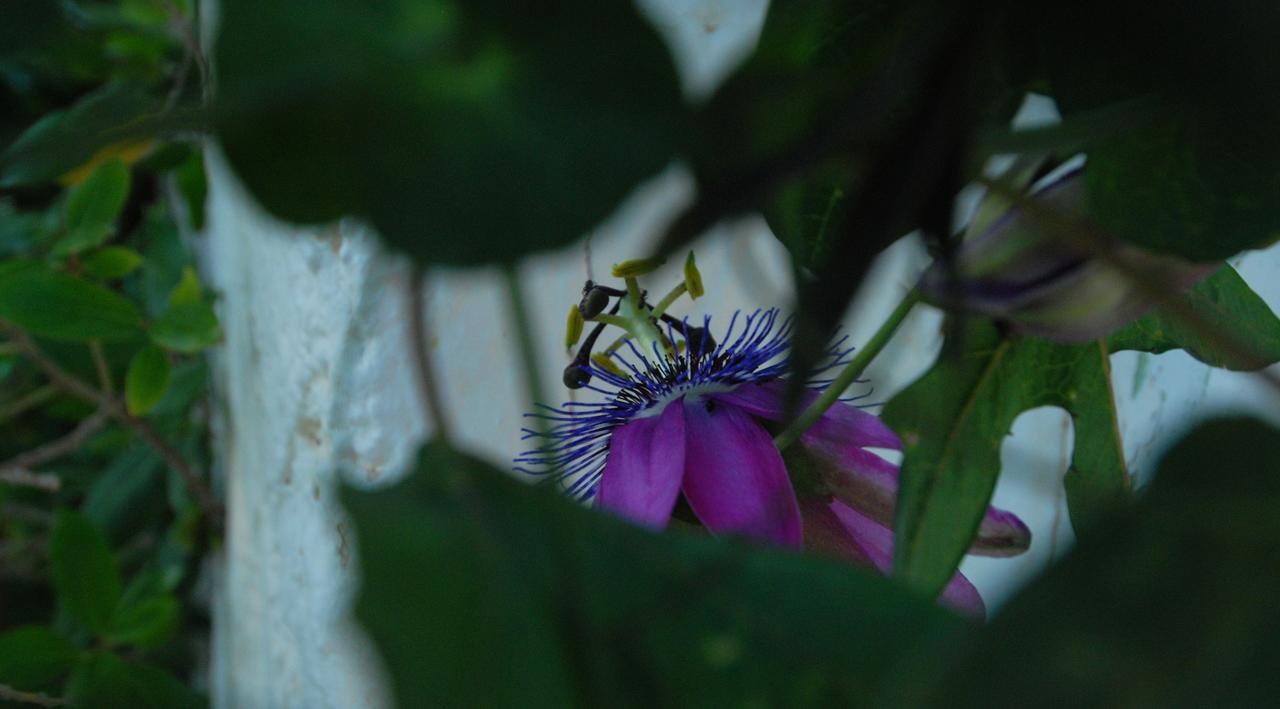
(1020, 271)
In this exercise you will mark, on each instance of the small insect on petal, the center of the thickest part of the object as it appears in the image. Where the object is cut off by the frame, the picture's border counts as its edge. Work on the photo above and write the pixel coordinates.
(692, 279)
(573, 327)
(636, 267)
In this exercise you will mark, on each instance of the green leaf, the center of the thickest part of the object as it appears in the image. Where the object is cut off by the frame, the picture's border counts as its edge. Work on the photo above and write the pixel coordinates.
(464, 567)
(110, 263)
(188, 289)
(1173, 603)
(1200, 181)
(147, 380)
(63, 141)
(127, 495)
(953, 419)
(104, 680)
(147, 622)
(467, 132)
(58, 306)
(84, 571)
(1183, 187)
(1224, 300)
(194, 187)
(33, 657)
(93, 207)
(187, 328)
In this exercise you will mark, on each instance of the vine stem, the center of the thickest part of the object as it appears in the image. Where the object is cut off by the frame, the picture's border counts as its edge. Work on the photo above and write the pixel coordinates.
(427, 386)
(115, 410)
(524, 337)
(850, 373)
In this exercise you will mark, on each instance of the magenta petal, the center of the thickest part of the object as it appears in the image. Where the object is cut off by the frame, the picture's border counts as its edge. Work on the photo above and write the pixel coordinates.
(869, 484)
(641, 477)
(734, 477)
(841, 426)
(876, 542)
(1001, 533)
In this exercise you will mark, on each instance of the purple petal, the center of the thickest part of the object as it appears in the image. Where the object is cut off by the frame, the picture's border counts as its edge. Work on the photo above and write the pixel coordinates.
(841, 425)
(876, 543)
(825, 534)
(734, 477)
(641, 477)
(869, 484)
(1001, 533)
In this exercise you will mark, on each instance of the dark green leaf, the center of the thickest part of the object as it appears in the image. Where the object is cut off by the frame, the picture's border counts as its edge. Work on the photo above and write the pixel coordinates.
(953, 419)
(1201, 180)
(121, 495)
(26, 24)
(466, 132)
(195, 190)
(147, 380)
(52, 304)
(104, 680)
(110, 263)
(561, 605)
(61, 142)
(84, 571)
(33, 657)
(1225, 301)
(1173, 603)
(187, 328)
(146, 622)
(93, 207)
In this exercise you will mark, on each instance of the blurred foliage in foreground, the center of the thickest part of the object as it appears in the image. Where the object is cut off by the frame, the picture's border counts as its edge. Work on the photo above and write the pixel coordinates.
(1169, 603)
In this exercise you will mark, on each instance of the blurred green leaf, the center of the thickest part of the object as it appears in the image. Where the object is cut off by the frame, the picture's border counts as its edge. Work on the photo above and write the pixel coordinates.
(953, 419)
(116, 114)
(18, 230)
(1226, 301)
(147, 380)
(464, 568)
(194, 187)
(1173, 603)
(59, 306)
(84, 571)
(33, 657)
(467, 132)
(126, 494)
(93, 206)
(188, 289)
(187, 328)
(145, 622)
(110, 263)
(26, 24)
(1200, 180)
(105, 681)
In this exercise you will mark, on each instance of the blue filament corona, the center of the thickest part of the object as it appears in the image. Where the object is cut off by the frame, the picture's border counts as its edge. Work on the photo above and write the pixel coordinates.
(755, 349)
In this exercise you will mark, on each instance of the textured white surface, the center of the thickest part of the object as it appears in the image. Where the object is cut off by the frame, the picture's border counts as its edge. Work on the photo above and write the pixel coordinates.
(314, 375)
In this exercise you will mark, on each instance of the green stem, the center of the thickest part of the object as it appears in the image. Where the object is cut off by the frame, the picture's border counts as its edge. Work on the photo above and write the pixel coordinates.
(850, 373)
(668, 299)
(613, 320)
(524, 337)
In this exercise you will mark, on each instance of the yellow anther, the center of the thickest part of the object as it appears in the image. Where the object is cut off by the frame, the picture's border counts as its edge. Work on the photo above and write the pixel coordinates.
(604, 361)
(573, 327)
(636, 267)
(692, 279)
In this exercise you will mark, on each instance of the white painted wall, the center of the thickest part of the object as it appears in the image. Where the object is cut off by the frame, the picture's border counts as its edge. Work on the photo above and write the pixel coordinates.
(314, 374)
